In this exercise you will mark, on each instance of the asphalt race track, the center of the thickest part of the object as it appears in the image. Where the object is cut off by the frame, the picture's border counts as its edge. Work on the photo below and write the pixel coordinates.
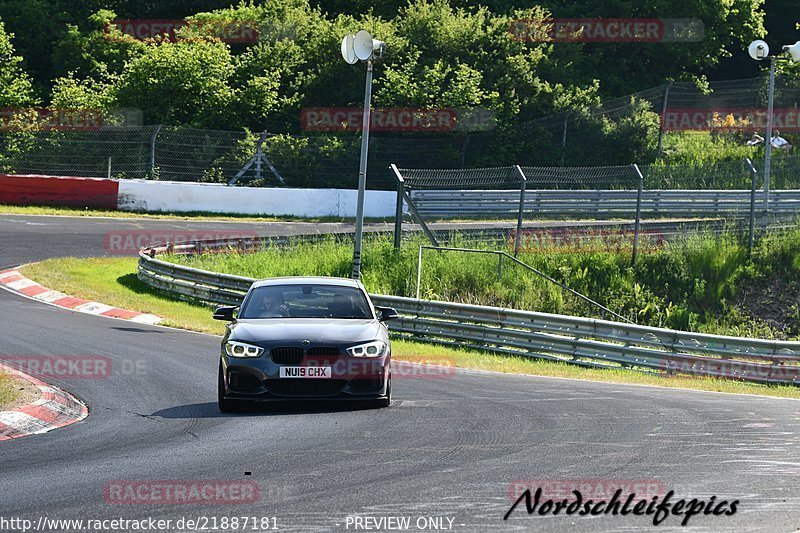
(449, 447)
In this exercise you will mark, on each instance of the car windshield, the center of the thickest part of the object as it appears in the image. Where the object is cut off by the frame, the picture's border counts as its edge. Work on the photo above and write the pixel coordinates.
(306, 301)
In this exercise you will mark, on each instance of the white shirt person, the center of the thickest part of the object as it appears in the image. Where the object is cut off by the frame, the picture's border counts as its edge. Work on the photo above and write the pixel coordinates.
(780, 143)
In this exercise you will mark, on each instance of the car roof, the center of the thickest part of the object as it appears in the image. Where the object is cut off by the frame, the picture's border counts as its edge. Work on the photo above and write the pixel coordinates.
(308, 280)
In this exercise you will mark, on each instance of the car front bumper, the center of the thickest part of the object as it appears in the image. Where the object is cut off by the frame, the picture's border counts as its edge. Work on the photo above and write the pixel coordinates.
(258, 380)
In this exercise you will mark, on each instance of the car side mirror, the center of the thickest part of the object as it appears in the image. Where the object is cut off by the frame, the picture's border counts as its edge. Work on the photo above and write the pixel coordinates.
(225, 313)
(387, 313)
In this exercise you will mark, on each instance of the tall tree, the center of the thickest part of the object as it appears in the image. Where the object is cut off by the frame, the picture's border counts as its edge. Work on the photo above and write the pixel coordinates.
(16, 88)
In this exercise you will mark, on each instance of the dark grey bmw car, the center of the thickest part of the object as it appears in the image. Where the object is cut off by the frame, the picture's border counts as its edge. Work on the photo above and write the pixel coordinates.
(305, 338)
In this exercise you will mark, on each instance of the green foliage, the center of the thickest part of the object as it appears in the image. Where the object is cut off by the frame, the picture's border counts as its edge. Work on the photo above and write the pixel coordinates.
(16, 88)
(96, 50)
(183, 82)
(440, 53)
(728, 25)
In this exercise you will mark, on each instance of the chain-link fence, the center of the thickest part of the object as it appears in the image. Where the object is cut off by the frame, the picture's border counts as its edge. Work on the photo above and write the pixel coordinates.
(653, 128)
(214, 156)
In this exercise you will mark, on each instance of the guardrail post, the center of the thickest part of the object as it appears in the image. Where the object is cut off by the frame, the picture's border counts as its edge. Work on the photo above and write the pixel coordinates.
(398, 210)
(522, 183)
(638, 213)
(499, 266)
(754, 177)
(419, 270)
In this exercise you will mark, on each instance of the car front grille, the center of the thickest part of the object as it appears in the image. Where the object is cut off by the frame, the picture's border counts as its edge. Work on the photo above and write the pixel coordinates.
(289, 355)
(323, 351)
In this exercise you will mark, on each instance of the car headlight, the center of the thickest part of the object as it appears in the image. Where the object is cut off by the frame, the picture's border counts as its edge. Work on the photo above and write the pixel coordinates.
(242, 349)
(369, 349)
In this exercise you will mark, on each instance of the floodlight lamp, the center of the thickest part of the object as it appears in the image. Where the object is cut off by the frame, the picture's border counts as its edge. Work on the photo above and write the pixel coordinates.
(758, 50)
(794, 51)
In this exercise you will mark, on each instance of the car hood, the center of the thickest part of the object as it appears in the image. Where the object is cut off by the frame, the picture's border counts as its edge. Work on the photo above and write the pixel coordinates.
(316, 330)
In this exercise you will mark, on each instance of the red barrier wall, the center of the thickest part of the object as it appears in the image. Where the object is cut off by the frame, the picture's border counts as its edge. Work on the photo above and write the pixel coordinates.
(61, 191)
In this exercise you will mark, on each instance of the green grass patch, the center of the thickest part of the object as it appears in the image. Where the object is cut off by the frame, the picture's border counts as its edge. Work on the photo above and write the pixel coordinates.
(188, 215)
(9, 389)
(113, 281)
(698, 148)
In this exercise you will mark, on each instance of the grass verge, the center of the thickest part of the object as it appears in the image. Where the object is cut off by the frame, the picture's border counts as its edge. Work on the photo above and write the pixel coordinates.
(189, 215)
(9, 390)
(113, 281)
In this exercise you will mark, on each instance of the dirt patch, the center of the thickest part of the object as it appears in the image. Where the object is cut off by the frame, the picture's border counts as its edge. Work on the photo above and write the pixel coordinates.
(25, 392)
(774, 301)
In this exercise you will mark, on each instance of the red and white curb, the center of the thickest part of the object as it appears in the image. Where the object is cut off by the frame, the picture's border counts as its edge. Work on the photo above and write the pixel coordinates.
(55, 408)
(19, 283)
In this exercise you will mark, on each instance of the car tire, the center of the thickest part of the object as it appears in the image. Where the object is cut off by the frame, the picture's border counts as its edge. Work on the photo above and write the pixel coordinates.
(225, 405)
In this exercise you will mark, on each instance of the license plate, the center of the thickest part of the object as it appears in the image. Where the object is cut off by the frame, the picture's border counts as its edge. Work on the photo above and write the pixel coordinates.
(306, 372)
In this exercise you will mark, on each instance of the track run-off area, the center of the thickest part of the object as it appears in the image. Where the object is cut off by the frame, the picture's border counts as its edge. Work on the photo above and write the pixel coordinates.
(450, 453)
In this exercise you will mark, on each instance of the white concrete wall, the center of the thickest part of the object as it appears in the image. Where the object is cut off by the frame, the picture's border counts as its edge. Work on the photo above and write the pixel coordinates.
(148, 195)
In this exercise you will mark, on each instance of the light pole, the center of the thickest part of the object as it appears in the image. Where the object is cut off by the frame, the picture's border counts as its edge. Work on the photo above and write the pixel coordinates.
(759, 50)
(362, 46)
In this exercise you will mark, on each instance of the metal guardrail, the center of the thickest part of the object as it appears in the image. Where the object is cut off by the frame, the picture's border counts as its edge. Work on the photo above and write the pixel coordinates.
(432, 204)
(575, 340)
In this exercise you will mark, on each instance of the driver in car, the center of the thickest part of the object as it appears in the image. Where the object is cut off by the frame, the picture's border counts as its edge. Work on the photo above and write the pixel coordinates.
(274, 306)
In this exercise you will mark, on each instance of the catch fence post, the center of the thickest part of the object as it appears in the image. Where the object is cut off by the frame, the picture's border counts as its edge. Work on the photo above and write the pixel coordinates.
(398, 211)
(663, 119)
(156, 129)
(522, 184)
(638, 213)
(753, 179)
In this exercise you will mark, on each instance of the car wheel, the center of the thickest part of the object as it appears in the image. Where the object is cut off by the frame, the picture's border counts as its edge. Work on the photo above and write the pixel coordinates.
(225, 405)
